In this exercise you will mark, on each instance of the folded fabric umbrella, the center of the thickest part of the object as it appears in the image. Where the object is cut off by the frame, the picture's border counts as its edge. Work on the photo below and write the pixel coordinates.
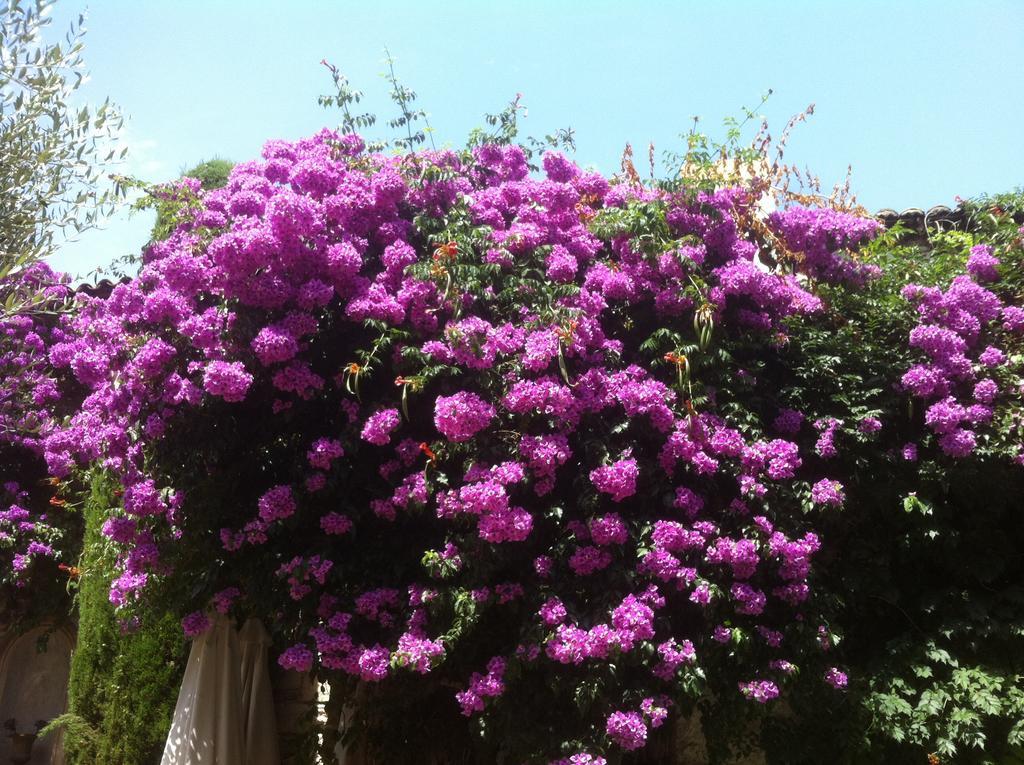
(207, 727)
(259, 721)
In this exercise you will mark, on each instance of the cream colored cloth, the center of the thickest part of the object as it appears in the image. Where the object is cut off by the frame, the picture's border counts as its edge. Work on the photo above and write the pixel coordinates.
(258, 718)
(207, 728)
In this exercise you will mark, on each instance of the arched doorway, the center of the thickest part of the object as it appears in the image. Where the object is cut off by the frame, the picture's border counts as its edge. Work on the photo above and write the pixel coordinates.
(34, 670)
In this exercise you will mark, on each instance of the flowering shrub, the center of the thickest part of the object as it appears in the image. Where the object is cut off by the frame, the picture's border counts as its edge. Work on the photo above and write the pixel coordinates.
(29, 391)
(38, 535)
(920, 569)
(953, 323)
(538, 449)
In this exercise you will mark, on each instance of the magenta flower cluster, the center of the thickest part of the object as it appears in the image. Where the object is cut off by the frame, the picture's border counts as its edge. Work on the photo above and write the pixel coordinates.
(377, 319)
(960, 338)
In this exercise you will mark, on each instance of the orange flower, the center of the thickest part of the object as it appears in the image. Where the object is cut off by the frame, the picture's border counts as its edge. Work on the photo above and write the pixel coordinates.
(566, 333)
(425, 448)
(73, 572)
(446, 251)
(58, 502)
(584, 211)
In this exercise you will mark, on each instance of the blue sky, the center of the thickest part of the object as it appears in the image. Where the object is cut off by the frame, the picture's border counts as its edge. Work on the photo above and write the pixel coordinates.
(922, 98)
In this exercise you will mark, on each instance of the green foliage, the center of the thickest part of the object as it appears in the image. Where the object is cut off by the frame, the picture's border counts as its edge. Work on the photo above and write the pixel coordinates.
(408, 121)
(345, 98)
(173, 202)
(52, 154)
(75, 729)
(937, 704)
(986, 209)
(211, 174)
(700, 166)
(927, 594)
(505, 130)
(405, 100)
(123, 686)
(504, 125)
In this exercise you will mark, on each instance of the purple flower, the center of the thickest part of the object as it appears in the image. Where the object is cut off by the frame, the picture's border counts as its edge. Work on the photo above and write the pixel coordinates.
(618, 479)
(120, 530)
(259, 296)
(688, 501)
(655, 710)
(195, 624)
(274, 344)
(481, 687)
(985, 391)
(748, 600)
(982, 263)
(543, 565)
(827, 492)
(561, 265)
(633, 620)
(944, 416)
(552, 613)
(323, 452)
(957, 443)
(608, 530)
(581, 758)
(379, 426)
(276, 504)
(783, 666)
(558, 168)
(586, 560)
(925, 381)
(229, 380)
(825, 446)
(1013, 318)
(992, 357)
(335, 524)
(627, 729)
(869, 425)
(836, 678)
(673, 654)
(297, 658)
(153, 357)
(823, 235)
(461, 416)
(374, 664)
(761, 691)
(222, 600)
(788, 421)
(540, 348)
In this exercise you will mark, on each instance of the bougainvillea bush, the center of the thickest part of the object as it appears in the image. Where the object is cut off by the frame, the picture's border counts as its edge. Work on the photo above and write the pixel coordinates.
(921, 574)
(39, 535)
(554, 454)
